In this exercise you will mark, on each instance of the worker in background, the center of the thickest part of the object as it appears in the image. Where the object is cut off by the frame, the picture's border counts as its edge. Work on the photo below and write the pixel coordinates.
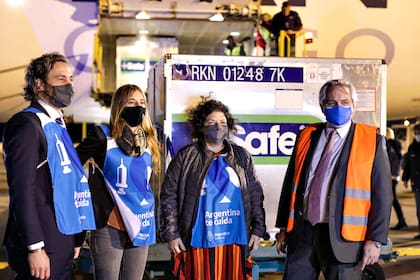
(264, 36)
(411, 171)
(394, 149)
(288, 21)
(234, 49)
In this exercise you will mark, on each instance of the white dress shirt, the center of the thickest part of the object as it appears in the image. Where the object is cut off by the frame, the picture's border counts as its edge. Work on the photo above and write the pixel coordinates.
(54, 113)
(340, 137)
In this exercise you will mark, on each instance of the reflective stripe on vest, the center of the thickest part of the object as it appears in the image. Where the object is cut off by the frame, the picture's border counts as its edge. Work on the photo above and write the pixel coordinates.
(357, 196)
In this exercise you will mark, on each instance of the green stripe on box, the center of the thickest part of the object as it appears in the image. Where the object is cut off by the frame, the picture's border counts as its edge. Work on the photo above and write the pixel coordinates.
(271, 160)
(261, 118)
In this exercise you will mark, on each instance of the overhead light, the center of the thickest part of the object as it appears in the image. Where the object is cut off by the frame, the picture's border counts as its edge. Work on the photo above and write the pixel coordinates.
(309, 37)
(235, 33)
(93, 21)
(15, 3)
(144, 32)
(406, 122)
(142, 15)
(217, 17)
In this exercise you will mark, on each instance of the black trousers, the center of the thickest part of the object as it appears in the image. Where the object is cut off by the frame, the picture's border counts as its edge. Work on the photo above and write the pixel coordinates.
(417, 197)
(314, 254)
(396, 204)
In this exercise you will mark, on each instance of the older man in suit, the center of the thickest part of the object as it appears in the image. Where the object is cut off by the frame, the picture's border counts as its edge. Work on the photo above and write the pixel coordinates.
(335, 204)
(44, 175)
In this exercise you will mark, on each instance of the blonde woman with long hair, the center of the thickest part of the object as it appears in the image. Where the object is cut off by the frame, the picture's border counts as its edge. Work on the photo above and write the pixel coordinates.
(125, 154)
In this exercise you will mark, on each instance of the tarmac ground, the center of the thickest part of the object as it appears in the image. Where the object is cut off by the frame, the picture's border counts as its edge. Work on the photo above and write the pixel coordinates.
(407, 264)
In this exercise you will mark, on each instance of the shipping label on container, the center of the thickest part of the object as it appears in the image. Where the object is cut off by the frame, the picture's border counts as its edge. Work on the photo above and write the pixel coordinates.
(235, 73)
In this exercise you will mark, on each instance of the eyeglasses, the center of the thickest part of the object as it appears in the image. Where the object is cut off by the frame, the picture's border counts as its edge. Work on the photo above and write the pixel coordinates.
(333, 103)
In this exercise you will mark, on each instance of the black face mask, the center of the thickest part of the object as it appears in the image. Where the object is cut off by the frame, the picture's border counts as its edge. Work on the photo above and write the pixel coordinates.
(133, 115)
(61, 95)
(215, 133)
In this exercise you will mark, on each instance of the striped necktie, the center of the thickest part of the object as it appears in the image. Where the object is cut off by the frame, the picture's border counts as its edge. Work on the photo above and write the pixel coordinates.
(60, 121)
(314, 199)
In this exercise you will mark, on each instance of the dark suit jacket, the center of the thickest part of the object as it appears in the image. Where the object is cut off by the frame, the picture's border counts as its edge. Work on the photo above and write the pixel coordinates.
(381, 199)
(279, 22)
(411, 169)
(31, 211)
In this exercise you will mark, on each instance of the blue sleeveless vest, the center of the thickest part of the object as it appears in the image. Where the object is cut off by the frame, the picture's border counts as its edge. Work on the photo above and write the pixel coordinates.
(220, 217)
(127, 178)
(71, 193)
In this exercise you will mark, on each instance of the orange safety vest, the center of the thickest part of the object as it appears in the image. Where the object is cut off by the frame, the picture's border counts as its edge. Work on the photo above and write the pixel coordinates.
(358, 179)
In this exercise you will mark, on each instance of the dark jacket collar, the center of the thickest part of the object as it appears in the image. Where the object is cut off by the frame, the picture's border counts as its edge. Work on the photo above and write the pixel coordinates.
(36, 104)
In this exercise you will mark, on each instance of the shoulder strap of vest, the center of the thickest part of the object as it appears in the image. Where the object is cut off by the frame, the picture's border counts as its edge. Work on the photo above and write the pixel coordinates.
(32, 110)
(106, 130)
(310, 127)
(367, 128)
(305, 134)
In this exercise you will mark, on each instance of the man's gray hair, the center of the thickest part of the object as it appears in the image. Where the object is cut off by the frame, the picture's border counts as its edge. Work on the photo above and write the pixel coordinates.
(328, 86)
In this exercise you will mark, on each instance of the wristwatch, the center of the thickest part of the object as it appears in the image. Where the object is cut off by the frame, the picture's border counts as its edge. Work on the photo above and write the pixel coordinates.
(377, 244)
(36, 250)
